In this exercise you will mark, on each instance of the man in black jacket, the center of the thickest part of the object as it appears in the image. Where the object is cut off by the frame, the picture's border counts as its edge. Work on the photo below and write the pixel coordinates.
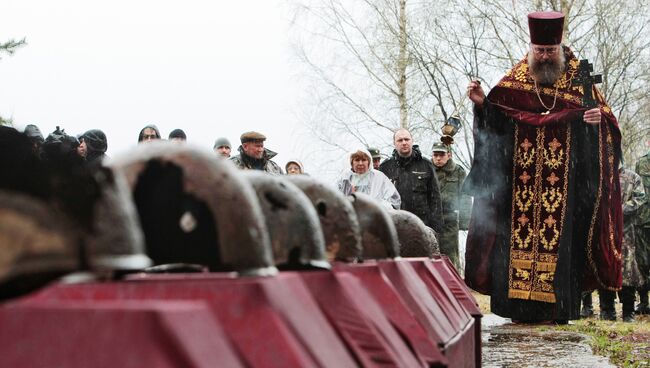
(415, 180)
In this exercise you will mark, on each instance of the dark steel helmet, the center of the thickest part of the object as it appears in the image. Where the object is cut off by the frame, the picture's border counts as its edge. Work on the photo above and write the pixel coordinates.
(378, 234)
(116, 243)
(37, 245)
(296, 235)
(195, 208)
(415, 238)
(337, 217)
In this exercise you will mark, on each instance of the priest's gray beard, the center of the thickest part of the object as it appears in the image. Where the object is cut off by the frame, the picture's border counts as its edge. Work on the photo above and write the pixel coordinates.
(546, 72)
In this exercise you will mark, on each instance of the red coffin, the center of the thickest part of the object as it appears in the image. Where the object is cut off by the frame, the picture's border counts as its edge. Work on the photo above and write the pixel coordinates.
(392, 313)
(430, 300)
(462, 294)
(112, 334)
(272, 322)
(396, 310)
(360, 320)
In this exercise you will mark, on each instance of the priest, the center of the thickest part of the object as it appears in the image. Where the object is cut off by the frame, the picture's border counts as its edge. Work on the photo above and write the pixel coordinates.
(546, 222)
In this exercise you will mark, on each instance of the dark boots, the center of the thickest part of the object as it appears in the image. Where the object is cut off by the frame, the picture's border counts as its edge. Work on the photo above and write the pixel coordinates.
(643, 307)
(587, 305)
(607, 311)
(626, 295)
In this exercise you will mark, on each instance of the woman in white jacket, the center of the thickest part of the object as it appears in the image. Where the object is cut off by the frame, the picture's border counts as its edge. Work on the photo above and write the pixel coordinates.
(364, 179)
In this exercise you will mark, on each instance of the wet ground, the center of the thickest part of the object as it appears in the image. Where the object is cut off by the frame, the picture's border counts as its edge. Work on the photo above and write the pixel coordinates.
(515, 345)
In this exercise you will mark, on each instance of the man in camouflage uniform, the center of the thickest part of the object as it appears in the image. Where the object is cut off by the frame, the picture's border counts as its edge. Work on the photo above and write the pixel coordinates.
(253, 156)
(632, 198)
(456, 208)
(643, 233)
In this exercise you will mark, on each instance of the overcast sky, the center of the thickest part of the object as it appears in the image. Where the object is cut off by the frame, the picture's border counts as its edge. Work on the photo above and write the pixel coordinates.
(212, 68)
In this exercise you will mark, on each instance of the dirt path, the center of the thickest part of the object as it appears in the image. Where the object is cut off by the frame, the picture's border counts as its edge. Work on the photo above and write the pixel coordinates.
(514, 345)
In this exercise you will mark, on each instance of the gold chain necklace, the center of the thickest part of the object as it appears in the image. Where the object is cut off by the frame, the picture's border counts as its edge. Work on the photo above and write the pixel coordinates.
(548, 109)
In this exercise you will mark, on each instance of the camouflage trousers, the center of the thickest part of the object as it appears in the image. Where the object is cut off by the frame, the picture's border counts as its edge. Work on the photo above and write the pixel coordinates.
(642, 253)
(448, 240)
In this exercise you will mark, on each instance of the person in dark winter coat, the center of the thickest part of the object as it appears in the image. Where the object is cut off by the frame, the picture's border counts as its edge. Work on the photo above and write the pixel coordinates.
(94, 143)
(35, 136)
(69, 180)
(415, 179)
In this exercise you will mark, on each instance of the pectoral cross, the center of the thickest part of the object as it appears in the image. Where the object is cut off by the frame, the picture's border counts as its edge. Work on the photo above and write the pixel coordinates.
(587, 81)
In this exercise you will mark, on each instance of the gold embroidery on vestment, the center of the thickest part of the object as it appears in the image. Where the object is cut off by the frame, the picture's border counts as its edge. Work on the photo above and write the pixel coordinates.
(552, 199)
(539, 206)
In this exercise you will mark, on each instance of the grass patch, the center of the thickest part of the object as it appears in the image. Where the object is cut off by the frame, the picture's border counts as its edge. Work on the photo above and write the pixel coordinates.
(626, 344)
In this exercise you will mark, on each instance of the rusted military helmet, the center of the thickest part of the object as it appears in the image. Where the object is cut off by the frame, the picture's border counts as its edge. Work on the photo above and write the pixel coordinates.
(37, 244)
(337, 217)
(378, 234)
(296, 236)
(194, 208)
(415, 238)
(116, 243)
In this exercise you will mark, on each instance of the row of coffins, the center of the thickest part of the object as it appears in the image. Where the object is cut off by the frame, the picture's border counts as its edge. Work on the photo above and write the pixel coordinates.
(191, 263)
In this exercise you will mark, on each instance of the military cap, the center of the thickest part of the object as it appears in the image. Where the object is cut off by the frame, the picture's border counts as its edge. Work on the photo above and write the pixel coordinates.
(440, 147)
(252, 137)
(374, 152)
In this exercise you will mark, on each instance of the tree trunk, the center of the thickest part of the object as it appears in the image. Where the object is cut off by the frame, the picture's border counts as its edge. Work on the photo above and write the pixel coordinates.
(402, 62)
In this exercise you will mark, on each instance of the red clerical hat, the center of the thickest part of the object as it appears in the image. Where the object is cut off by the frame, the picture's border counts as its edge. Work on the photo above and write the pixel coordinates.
(546, 27)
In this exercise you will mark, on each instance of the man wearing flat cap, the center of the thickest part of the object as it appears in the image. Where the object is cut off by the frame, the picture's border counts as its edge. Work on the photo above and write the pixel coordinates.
(547, 219)
(253, 156)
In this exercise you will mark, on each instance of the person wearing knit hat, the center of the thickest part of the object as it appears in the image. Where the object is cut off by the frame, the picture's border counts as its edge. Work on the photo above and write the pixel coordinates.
(33, 133)
(95, 145)
(547, 220)
(222, 147)
(35, 136)
(177, 135)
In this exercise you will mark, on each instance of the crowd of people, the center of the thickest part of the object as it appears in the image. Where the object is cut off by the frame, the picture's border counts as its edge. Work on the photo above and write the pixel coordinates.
(547, 223)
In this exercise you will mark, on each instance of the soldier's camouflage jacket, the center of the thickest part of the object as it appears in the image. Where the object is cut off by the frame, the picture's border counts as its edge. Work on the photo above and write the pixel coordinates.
(456, 208)
(633, 198)
(643, 220)
(643, 170)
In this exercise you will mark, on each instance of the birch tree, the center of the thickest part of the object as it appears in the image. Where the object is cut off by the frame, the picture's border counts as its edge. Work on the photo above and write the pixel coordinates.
(357, 66)
(417, 58)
